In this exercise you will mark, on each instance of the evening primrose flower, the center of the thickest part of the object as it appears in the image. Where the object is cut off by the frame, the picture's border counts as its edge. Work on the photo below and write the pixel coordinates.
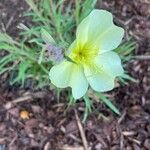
(95, 62)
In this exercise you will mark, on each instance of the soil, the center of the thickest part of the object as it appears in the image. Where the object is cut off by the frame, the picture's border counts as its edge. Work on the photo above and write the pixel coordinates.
(33, 120)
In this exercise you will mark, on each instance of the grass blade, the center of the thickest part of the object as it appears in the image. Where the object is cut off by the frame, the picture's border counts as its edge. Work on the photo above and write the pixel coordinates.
(108, 103)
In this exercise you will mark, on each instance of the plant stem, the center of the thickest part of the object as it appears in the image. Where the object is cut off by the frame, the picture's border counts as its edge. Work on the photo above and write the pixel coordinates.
(77, 11)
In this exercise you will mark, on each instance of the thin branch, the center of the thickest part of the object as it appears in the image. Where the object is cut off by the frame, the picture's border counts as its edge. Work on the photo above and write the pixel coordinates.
(142, 57)
(82, 133)
(21, 99)
(28, 97)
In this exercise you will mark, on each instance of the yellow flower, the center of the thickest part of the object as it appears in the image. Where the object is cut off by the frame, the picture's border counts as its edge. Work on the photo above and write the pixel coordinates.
(95, 62)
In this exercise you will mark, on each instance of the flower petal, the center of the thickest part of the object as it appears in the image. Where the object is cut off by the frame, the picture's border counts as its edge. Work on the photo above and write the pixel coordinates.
(110, 63)
(110, 39)
(108, 66)
(69, 74)
(100, 81)
(78, 82)
(82, 32)
(98, 31)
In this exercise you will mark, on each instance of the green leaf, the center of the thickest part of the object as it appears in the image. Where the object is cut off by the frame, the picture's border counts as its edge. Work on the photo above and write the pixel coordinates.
(87, 7)
(88, 107)
(5, 58)
(22, 72)
(37, 41)
(126, 48)
(108, 103)
(47, 38)
(7, 39)
(5, 61)
(41, 56)
(33, 7)
(128, 77)
(7, 69)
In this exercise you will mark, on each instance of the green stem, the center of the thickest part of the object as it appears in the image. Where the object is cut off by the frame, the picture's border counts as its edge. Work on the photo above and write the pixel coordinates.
(44, 69)
(77, 11)
(88, 105)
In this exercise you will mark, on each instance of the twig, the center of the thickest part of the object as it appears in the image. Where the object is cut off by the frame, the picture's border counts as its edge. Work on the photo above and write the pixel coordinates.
(121, 141)
(122, 117)
(74, 138)
(142, 57)
(85, 143)
(11, 104)
(119, 131)
(3, 27)
(47, 146)
(134, 141)
(13, 140)
(9, 22)
(28, 97)
(21, 99)
(129, 133)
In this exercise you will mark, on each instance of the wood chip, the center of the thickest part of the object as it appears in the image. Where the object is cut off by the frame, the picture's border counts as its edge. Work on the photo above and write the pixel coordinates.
(67, 147)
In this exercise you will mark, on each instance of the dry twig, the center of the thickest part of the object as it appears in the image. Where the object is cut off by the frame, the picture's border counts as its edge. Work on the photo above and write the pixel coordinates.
(85, 143)
(142, 57)
(122, 117)
(27, 97)
(22, 99)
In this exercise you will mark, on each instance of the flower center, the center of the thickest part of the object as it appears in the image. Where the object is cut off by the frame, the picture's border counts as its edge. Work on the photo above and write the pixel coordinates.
(83, 55)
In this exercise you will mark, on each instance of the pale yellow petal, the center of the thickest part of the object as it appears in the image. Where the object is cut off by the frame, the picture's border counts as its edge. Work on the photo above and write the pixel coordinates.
(68, 74)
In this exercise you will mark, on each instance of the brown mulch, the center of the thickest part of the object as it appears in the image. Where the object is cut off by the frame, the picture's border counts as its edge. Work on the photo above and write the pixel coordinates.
(47, 125)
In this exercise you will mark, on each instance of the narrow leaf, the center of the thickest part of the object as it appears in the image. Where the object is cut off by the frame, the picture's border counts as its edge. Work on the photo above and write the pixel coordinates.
(47, 38)
(108, 103)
